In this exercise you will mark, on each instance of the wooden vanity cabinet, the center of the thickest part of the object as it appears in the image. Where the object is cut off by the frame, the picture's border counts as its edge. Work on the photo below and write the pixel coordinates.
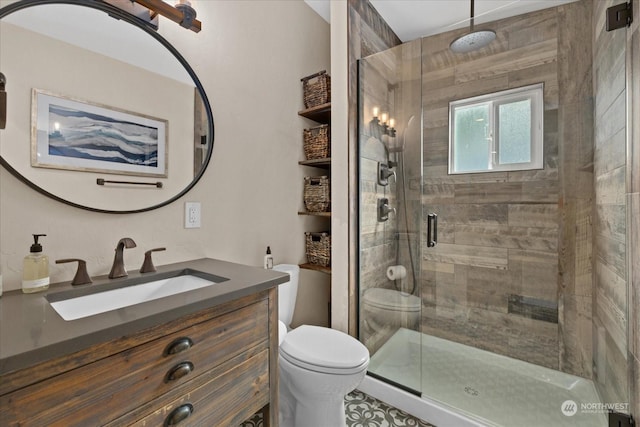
(216, 367)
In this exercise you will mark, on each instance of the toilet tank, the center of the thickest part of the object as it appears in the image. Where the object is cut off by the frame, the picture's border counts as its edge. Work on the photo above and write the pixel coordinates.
(287, 293)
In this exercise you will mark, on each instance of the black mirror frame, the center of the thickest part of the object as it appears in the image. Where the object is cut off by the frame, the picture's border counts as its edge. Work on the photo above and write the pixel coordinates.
(133, 20)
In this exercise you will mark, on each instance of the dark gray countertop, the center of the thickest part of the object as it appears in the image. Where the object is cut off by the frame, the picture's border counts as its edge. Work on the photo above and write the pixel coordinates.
(31, 331)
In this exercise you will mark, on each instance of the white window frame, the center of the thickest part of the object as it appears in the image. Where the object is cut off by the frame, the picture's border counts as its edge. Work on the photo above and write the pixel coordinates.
(534, 93)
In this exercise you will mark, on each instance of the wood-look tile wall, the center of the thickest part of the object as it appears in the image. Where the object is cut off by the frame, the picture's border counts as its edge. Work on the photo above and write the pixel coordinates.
(610, 248)
(368, 33)
(493, 281)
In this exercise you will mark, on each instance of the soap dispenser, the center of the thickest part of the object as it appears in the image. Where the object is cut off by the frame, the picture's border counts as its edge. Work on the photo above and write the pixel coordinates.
(35, 271)
(268, 259)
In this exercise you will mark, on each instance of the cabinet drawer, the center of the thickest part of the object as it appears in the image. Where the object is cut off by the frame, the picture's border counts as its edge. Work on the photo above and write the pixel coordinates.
(215, 403)
(101, 391)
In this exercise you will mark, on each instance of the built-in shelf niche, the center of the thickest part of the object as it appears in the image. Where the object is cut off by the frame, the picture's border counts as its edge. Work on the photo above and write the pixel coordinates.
(322, 115)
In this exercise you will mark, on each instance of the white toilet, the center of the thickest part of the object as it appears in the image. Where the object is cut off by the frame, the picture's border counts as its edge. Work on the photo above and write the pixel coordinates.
(391, 308)
(318, 366)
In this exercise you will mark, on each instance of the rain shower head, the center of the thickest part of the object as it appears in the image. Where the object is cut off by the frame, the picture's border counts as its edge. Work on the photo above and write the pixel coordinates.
(474, 40)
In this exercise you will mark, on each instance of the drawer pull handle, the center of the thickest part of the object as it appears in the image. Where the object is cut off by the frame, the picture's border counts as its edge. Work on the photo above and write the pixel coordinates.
(179, 371)
(178, 346)
(178, 415)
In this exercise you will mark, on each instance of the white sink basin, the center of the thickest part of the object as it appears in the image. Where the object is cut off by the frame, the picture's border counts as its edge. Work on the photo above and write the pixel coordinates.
(101, 302)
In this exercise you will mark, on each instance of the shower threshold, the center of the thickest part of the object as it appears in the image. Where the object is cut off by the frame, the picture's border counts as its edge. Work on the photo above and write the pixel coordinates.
(488, 388)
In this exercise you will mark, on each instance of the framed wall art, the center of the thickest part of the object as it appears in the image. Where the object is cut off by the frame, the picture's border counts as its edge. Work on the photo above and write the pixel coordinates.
(77, 135)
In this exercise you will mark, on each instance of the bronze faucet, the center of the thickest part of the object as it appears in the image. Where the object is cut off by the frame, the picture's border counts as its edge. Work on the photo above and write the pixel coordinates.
(117, 269)
(81, 277)
(147, 265)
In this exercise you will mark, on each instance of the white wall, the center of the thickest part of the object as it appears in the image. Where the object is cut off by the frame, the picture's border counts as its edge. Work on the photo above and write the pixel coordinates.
(250, 56)
(339, 167)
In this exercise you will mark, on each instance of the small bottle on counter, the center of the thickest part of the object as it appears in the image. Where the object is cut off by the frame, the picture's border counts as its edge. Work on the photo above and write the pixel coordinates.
(35, 268)
(268, 259)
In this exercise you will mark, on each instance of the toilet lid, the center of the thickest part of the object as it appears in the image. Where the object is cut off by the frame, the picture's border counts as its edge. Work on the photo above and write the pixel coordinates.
(324, 350)
(390, 299)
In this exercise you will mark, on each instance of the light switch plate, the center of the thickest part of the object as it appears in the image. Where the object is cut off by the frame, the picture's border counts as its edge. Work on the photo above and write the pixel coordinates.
(192, 215)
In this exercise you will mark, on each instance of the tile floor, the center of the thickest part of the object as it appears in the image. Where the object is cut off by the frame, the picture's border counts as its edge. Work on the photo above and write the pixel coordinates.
(364, 411)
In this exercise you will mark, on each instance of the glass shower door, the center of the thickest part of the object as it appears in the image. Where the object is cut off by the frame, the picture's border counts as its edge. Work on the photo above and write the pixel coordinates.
(390, 217)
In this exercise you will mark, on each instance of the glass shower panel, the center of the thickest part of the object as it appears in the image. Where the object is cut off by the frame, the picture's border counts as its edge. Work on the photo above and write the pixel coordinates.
(390, 168)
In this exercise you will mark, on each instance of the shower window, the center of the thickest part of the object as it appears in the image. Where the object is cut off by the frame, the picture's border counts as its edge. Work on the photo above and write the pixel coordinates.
(501, 131)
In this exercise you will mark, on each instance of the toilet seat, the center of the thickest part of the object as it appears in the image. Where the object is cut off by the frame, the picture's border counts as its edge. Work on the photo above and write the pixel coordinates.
(389, 299)
(324, 350)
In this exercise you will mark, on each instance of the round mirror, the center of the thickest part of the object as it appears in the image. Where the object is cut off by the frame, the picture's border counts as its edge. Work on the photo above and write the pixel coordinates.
(102, 112)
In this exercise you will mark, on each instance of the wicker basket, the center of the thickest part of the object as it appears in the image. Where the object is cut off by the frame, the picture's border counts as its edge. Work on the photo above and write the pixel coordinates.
(317, 89)
(317, 194)
(318, 248)
(317, 143)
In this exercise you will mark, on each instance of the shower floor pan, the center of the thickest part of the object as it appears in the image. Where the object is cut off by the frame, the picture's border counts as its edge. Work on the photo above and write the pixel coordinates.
(486, 387)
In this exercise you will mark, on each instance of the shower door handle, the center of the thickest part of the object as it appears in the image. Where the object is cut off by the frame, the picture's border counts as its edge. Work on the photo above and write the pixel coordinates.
(432, 230)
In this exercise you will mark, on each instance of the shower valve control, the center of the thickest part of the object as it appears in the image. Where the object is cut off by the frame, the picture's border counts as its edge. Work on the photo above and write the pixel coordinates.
(384, 209)
(384, 172)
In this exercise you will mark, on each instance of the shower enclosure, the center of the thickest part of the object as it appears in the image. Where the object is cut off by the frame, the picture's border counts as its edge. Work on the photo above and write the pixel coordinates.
(491, 294)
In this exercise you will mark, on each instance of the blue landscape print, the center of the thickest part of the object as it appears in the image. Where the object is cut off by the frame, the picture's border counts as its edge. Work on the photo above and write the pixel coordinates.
(90, 136)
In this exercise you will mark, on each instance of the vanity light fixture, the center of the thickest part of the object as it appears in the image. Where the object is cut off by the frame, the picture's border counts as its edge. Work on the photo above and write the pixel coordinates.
(374, 120)
(379, 127)
(388, 132)
(374, 124)
(182, 13)
(391, 130)
(188, 13)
